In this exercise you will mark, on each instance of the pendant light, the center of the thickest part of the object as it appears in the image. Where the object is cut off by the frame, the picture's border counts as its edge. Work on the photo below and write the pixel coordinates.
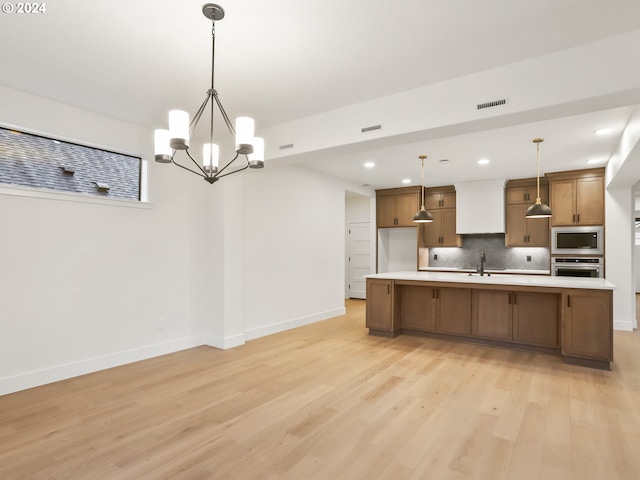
(422, 216)
(538, 209)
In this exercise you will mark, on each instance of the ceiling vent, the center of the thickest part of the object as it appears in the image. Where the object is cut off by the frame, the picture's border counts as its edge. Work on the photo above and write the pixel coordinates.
(495, 103)
(288, 145)
(374, 127)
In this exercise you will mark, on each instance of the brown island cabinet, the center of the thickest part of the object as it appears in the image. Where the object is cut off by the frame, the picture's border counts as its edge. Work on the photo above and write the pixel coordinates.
(571, 317)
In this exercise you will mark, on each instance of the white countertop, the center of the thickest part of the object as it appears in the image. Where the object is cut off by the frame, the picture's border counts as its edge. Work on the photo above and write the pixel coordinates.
(487, 270)
(500, 279)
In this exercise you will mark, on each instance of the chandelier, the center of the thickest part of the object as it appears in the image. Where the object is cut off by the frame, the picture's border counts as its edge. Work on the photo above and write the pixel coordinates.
(168, 142)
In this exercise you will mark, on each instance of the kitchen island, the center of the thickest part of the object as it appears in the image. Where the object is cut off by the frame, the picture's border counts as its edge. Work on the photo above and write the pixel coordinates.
(567, 316)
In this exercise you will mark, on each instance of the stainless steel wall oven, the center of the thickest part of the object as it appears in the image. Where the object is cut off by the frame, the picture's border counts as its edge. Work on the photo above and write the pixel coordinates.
(577, 267)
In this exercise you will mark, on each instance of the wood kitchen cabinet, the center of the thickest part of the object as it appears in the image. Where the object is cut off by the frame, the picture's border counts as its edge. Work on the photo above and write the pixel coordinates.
(453, 313)
(519, 230)
(379, 314)
(586, 334)
(396, 207)
(441, 203)
(416, 306)
(433, 309)
(577, 197)
(523, 317)
(536, 318)
(440, 197)
(442, 231)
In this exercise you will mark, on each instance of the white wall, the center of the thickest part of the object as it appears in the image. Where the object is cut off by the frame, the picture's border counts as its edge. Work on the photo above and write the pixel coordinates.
(84, 285)
(293, 249)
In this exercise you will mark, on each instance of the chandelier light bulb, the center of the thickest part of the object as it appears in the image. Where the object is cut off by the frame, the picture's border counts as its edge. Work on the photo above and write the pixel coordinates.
(162, 147)
(244, 135)
(210, 155)
(256, 159)
(179, 129)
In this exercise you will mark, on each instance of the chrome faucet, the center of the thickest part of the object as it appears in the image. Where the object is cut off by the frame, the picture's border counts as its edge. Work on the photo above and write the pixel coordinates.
(482, 259)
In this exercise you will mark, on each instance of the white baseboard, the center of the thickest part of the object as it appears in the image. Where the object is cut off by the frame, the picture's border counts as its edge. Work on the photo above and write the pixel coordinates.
(289, 324)
(82, 367)
(223, 343)
(625, 325)
(62, 372)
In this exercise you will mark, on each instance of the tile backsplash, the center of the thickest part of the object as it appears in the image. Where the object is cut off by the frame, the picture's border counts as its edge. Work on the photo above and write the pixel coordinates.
(497, 255)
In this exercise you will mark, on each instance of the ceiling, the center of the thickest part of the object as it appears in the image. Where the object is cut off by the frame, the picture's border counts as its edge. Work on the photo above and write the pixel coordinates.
(281, 60)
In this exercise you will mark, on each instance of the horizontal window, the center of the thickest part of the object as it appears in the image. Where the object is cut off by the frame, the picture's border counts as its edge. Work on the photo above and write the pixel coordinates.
(35, 161)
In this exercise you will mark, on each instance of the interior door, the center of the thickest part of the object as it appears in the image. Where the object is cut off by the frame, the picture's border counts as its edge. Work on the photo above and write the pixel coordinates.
(359, 258)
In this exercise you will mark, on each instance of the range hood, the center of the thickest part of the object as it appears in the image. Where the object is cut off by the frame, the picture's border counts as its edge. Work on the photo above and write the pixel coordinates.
(480, 207)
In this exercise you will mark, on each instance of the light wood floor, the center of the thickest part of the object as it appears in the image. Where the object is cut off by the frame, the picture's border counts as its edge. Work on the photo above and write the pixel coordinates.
(327, 401)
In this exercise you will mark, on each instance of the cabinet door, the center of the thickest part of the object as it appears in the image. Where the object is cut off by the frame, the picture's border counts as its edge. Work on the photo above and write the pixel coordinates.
(590, 201)
(379, 305)
(535, 318)
(407, 206)
(563, 202)
(525, 232)
(448, 228)
(492, 314)
(448, 200)
(538, 232)
(588, 324)
(432, 201)
(517, 195)
(415, 307)
(453, 313)
(432, 232)
(386, 211)
(516, 228)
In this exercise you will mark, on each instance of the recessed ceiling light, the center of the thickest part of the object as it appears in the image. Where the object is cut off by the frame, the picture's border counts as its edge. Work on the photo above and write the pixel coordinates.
(369, 165)
(483, 161)
(603, 131)
(406, 180)
(595, 160)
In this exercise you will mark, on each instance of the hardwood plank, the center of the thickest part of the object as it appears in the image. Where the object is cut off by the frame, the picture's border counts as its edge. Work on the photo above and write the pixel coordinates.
(330, 401)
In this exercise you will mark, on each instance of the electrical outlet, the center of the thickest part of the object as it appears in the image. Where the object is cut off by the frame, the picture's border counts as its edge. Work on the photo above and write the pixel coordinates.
(435, 256)
(160, 324)
(528, 258)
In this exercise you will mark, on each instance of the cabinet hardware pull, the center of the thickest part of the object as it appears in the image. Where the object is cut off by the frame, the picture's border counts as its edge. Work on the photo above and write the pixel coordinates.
(578, 218)
(569, 301)
(574, 218)
(515, 298)
(388, 289)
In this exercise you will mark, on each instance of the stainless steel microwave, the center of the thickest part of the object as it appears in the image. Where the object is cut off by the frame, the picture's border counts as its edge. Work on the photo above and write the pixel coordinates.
(577, 240)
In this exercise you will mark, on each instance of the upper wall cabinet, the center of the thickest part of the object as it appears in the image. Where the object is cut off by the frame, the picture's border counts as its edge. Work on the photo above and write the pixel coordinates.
(396, 207)
(522, 231)
(441, 203)
(480, 207)
(577, 197)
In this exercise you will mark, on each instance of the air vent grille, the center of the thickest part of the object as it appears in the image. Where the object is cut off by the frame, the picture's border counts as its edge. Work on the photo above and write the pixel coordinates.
(288, 145)
(373, 127)
(495, 103)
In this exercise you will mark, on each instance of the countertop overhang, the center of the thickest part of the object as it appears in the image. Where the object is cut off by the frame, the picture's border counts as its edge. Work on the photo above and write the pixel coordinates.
(499, 279)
